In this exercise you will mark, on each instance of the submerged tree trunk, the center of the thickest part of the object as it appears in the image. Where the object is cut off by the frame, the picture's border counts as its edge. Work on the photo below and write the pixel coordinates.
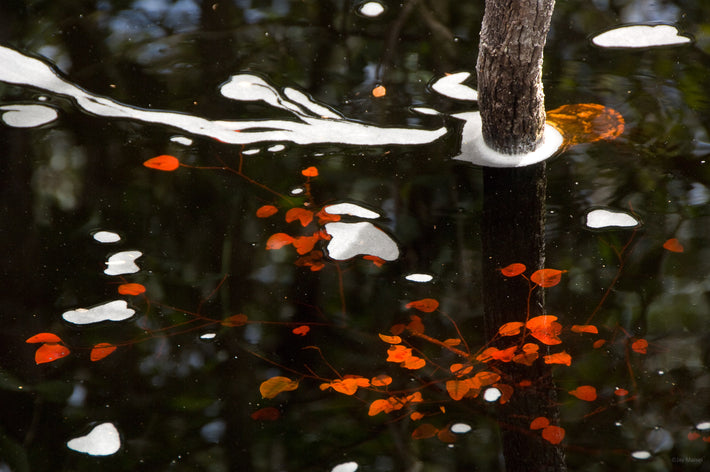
(512, 111)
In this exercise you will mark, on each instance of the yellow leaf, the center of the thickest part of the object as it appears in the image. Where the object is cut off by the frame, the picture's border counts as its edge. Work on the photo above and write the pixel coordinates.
(275, 385)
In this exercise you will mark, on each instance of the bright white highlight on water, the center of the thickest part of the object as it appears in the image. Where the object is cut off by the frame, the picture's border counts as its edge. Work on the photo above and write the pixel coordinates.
(641, 455)
(116, 310)
(351, 209)
(475, 150)
(251, 152)
(460, 428)
(103, 440)
(423, 278)
(640, 36)
(371, 9)
(703, 426)
(452, 87)
(361, 238)
(345, 467)
(491, 394)
(185, 141)
(106, 237)
(208, 336)
(27, 116)
(122, 263)
(603, 218)
(276, 148)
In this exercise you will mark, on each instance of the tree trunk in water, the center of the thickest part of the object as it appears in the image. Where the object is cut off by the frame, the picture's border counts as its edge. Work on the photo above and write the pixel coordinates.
(512, 110)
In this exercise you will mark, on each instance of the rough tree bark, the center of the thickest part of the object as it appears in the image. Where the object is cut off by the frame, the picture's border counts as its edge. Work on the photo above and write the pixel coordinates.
(511, 103)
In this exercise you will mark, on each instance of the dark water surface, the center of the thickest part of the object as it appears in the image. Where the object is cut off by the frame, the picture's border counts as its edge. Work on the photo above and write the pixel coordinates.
(182, 387)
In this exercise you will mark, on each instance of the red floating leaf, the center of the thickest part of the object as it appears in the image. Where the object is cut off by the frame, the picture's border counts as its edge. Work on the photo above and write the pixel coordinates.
(558, 358)
(266, 211)
(378, 261)
(693, 435)
(585, 392)
(621, 392)
(539, 423)
(547, 277)
(275, 385)
(513, 269)
(310, 172)
(599, 343)
(235, 320)
(325, 217)
(425, 431)
(279, 240)
(416, 326)
(673, 245)
(427, 305)
(379, 91)
(640, 346)
(266, 414)
(304, 244)
(164, 162)
(50, 352)
(545, 329)
(301, 330)
(553, 434)
(510, 329)
(101, 350)
(131, 289)
(300, 214)
(44, 338)
(584, 329)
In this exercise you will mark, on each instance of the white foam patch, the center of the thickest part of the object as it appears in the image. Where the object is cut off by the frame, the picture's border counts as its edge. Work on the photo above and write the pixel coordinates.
(116, 310)
(371, 9)
(475, 150)
(491, 394)
(345, 467)
(28, 116)
(276, 148)
(103, 440)
(705, 425)
(184, 140)
(122, 263)
(351, 209)
(460, 428)
(208, 336)
(361, 238)
(640, 36)
(106, 237)
(641, 455)
(421, 278)
(313, 123)
(426, 111)
(452, 87)
(602, 218)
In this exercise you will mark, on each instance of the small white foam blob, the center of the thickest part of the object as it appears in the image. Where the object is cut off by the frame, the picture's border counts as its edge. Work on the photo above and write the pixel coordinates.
(603, 218)
(371, 9)
(426, 111)
(276, 148)
(476, 151)
(452, 87)
(122, 263)
(184, 140)
(116, 310)
(103, 440)
(251, 152)
(703, 426)
(460, 428)
(641, 455)
(345, 467)
(297, 191)
(106, 237)
(640, 36)
(27, 116)
(352, 210)
(208, 336)
(361, 238)
(421, 278)
(491, 394)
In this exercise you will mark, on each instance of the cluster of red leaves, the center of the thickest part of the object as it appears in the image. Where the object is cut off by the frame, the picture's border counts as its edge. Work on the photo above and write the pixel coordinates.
(550, 433)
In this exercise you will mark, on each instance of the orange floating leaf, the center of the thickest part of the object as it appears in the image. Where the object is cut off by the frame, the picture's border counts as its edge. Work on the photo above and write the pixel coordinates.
(558, 358)
(348, 386)
(673, 245)
(640, 346)
(425, 431)
(278, 240)
(452, 342)
(398, 353)
(275, 385)
(266, 211)
(483, 379)
(235, 320)
(310, 171)
(301, 330)
(547, 277)
(300, 214)
(446, 436)
(44, 338)
(164, 162)
(553, 434)
(325, 217)
(268, 413)
(584, 329)
(379, 91)
(621, 392)
(131, 289)
(458, 388)
(460, 369)
(378, 261)
(598, 343)
(513, 270)
(693, 435)
(427, 305)
(304, 244)
(506, 392)
(379, 406)
(585, 392)
(539, 423)
(415, 326)
(50, 352)
(545, 329)
(381, 380)
(413, 363)
(510, 329)
(101, 350)
(313, 259)
(416, 416)
(390, 339)
(526, 358)
(586, 122)
(397, 328)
